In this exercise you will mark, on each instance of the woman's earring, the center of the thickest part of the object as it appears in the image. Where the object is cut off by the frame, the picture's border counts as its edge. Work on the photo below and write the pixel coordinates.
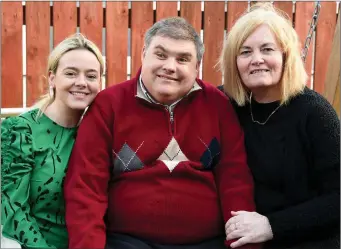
(51, 92)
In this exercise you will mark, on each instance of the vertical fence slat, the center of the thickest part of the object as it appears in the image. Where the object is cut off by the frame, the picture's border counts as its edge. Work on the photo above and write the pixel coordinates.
(64, 20)
(331, 91)
(191, 11)
(11, 54)
(166, 9)
(91, 21)
(286, 7)
(324, 38)
(213, 39)
(142, 19)
(116, 42)
(37, 49)
(333, 75)
(303, 16)
(234, 11)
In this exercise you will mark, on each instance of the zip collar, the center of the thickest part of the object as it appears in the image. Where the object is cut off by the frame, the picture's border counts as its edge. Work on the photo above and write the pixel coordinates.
(142, 93)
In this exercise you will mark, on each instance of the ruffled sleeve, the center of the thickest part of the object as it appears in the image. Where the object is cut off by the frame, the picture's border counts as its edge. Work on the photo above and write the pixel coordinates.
(17, 160)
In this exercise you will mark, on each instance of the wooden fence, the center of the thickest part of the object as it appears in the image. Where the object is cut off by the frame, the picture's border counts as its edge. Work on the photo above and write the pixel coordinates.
(111, 24)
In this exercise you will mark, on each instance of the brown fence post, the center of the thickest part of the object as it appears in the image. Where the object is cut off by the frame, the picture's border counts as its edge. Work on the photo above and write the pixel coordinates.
(324, 38)
(37, 49)
(303, 16)
(213, 40)
(166, 9)
(141, 21)
(64, 20)
(91, 21)
(116, 42)
(332, 83)
(11, 54)
(234, 11)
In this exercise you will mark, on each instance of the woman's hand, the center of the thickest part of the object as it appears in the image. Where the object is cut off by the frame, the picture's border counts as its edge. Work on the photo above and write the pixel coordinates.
(247, 227)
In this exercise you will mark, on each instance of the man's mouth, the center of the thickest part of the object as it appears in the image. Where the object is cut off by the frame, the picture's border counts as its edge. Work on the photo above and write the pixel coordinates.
(166, 77)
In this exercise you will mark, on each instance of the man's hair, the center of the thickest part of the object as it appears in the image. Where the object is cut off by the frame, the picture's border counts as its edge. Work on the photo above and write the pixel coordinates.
(175, 28)
(294, 76)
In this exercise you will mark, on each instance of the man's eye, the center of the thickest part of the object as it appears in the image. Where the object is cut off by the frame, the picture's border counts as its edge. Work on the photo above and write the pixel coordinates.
(160, 55)
(183, 59)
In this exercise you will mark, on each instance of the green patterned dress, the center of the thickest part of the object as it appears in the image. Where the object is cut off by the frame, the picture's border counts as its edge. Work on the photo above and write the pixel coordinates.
(34, 157)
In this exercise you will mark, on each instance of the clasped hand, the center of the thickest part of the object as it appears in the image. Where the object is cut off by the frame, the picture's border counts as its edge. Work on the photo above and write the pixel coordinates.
(247, 227)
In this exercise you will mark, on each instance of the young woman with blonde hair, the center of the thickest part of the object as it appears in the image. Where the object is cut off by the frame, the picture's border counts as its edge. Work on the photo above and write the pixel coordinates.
(36, 146)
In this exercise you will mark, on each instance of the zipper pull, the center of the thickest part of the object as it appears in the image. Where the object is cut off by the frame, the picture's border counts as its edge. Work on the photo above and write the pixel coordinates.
(171, 116)
(172, 121)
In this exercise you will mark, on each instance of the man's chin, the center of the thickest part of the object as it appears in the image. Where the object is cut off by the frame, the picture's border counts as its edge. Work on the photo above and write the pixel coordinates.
(166, 98)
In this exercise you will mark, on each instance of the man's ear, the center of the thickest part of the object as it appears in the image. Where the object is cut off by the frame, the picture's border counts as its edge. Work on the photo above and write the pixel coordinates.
(143, 53)
(197, 68)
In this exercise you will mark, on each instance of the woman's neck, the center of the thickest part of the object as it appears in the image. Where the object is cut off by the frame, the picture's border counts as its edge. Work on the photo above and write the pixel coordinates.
(266, 94)
(63, 115)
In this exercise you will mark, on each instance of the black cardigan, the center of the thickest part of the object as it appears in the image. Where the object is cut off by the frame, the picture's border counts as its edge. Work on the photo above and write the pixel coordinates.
(295, 162)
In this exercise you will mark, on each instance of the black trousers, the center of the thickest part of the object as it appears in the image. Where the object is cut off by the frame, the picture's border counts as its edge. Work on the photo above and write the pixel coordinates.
(331, 241)
(123, 241)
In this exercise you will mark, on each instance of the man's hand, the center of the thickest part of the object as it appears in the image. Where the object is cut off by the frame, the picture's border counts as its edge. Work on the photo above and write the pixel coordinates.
(247, 227)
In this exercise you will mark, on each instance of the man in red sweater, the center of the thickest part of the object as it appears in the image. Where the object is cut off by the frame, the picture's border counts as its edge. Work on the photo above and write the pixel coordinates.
(159, 160)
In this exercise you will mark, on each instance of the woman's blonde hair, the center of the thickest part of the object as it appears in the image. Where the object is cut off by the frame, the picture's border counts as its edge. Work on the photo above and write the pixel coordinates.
(73, 42)
(294, 76)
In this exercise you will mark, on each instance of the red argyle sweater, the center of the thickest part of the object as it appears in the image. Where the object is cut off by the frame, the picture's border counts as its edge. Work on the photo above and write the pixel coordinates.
(134, 171)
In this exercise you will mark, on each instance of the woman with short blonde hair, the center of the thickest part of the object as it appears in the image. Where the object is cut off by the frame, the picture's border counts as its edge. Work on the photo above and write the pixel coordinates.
(294, 76)
(292, 137)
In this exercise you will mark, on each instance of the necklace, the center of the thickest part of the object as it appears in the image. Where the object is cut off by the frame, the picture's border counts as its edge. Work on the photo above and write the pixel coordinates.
(255, 121)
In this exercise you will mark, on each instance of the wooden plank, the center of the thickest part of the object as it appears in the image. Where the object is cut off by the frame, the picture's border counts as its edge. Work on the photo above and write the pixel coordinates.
(91, 21)
(324, 39)
(234, 11)
(191, 11)
(37, 49)
(214, 25)
(141, 21)
(303, 16)
(64, 20)
(333, 73)
(11, 53)
(116, 42)
(286, 7)
(166, 9)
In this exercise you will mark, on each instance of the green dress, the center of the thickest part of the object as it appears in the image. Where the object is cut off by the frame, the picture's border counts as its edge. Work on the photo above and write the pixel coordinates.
(34, 158)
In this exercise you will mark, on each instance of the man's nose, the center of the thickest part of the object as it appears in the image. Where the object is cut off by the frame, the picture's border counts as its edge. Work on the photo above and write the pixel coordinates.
(170, 65)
